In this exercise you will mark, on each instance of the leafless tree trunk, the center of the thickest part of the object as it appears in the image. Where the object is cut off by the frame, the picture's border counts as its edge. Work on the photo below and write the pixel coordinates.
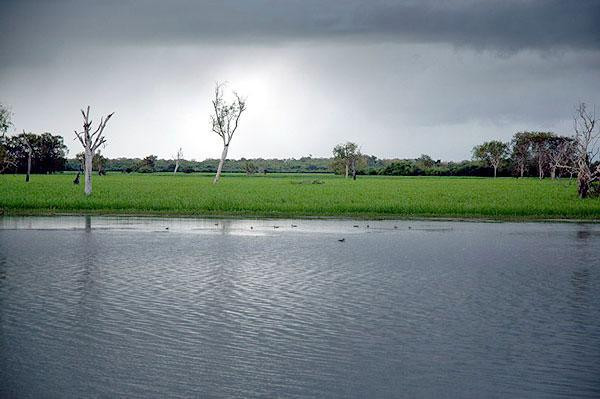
(29, 154)
(178, 159)
(7, 163)
(587, 139)
(586, 144)
(221, 163)
(225, 121)
(347, 168)
(28, 164)
(495, 162)
(561, 152)
(90, 142)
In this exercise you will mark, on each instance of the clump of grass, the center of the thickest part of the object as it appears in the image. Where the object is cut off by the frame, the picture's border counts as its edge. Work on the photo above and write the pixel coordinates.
(274, 196)
(315, 181)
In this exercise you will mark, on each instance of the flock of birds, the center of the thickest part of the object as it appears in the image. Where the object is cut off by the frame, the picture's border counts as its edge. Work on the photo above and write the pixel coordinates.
(295, 225)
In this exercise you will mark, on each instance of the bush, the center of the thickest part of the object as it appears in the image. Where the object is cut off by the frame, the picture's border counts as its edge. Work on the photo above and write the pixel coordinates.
(145, 169)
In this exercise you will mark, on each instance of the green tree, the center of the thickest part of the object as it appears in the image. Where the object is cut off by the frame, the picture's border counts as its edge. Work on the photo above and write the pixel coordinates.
(250, 168)
(521, 151)
(147, 165)
(403, 167)
(347, 158)
(425, 161)
(48, 152)
(492, 152)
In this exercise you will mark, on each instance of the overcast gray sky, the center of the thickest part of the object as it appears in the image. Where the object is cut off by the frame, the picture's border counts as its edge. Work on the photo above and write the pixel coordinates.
(400, 78)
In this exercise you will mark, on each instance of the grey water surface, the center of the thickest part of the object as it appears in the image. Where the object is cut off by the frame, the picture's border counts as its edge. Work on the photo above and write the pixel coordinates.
(143, 307)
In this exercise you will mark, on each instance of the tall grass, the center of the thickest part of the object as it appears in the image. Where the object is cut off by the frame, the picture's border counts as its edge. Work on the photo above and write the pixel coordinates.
(296, 195)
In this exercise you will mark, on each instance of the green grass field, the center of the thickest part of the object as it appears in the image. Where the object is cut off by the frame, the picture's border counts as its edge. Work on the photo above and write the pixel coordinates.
(298, 196)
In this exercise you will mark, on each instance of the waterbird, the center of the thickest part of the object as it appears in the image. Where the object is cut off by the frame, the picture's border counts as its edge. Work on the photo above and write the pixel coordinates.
(166, 228)
(342, 240)
(395, 227)
(275, 227)
(355, 225)
(251, 227)
(294, 225)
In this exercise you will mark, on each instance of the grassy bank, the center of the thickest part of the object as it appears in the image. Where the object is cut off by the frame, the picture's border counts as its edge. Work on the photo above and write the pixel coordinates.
(299, 195)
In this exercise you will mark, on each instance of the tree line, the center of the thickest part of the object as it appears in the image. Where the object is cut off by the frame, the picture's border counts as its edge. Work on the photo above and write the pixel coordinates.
(542, 153)
(575, 155)
(537, 153)
(44, 153)
(532, 153)
(153, 164)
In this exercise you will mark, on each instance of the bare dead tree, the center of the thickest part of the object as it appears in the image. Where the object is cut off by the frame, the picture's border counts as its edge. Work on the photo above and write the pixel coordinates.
(29, 150)
(587, 138)
(6, 158)
(91, 140)
(560, 152)
(540, 143)
(5, 119)
(178, 158)
(6, 161)
(225, 120)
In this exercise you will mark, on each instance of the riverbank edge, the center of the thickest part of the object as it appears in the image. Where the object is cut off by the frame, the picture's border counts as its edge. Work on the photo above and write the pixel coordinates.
(266, 216)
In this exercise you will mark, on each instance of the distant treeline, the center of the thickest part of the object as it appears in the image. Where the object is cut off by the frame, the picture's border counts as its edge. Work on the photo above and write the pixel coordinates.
(422, 166)
(49, 156)
(152, 164)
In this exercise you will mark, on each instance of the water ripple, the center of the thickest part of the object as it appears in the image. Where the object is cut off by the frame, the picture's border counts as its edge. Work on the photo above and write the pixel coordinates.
(216, 309)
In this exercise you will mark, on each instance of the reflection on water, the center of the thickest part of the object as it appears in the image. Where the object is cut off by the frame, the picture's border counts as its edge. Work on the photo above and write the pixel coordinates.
(142, 307)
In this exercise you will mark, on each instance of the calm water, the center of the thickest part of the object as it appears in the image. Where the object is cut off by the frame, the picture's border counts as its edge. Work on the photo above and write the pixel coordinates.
(108, 307)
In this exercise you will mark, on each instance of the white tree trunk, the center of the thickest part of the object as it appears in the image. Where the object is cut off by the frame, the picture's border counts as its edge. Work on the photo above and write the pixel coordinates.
(88, 171)
(176, 166)
(221, 162)
(347, 167)
(553, 172)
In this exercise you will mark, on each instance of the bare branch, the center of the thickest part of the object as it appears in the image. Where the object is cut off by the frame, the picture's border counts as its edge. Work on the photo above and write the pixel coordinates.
(225, 119)
(90, 142)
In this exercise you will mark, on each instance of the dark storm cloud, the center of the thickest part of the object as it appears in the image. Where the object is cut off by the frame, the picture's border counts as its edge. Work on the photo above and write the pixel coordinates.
(497, 25)
(401, 78)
